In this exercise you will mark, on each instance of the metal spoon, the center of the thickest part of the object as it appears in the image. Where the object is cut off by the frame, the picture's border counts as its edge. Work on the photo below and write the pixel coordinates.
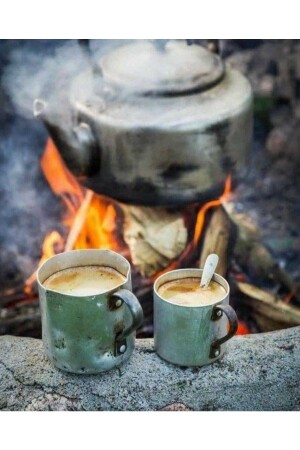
(208, 270)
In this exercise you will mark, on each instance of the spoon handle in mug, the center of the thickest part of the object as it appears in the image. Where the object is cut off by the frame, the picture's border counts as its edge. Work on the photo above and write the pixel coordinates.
(208, 270)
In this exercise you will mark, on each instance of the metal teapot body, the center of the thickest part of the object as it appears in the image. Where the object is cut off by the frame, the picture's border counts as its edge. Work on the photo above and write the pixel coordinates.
(158, 142)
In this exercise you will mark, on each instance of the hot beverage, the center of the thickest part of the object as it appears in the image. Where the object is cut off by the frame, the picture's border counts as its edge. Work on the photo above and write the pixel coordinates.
(192, 323)
(84, 280)
(187, 292)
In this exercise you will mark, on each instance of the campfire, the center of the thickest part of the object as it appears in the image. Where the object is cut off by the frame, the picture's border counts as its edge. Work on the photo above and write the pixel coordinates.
(90, 220)
(156, 238)
(94, 221)
(191, 233)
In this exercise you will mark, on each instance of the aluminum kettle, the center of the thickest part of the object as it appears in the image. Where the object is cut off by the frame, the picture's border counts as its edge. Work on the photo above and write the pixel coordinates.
(154, 126)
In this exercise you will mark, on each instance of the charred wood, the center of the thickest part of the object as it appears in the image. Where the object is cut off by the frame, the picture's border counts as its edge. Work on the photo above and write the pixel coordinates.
(218, 239)
(269, 311)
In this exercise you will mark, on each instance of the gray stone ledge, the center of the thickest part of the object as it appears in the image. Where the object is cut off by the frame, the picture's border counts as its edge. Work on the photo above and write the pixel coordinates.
(258, 372)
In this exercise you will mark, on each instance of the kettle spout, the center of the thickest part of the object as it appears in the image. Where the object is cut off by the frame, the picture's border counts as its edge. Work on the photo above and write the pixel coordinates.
(74, 139)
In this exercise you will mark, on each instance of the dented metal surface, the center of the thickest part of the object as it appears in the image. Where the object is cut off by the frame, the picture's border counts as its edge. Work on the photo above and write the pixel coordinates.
(192, 336)
(154, 149)
(88, 334)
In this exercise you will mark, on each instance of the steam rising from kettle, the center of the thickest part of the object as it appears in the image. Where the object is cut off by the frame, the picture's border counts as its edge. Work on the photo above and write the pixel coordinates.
(158, 123)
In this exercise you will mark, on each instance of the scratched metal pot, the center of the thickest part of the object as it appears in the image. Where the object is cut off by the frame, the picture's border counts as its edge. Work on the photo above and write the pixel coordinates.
(154, 126)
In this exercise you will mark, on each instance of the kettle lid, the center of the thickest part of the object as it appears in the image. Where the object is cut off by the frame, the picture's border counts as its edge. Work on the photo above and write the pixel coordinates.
(178, 68)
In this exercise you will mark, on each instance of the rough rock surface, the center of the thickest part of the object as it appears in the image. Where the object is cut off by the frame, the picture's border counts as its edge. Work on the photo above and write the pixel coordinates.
(258, 372)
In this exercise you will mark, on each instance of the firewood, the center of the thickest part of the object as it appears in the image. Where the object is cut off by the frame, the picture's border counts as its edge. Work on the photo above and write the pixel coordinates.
(22, 319)
(217, 236)
(79, 221)
(269, 311)
(254, 257)
(155, 237)
(17, 297)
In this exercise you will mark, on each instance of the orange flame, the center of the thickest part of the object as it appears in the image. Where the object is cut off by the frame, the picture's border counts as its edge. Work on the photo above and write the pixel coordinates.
(202, 212)
(52, 240)
(198, 228)
(99, 227)
(93, 216)
(61, 181)
(89, 218)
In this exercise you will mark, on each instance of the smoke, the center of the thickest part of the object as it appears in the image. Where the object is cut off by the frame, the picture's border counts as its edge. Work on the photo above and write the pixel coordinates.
(28, 69)
(28, 208)
(31, 69)
(33, 73)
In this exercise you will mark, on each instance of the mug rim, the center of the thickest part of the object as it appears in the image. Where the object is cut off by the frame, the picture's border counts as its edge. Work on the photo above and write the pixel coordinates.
(216, 277)
(65, 254)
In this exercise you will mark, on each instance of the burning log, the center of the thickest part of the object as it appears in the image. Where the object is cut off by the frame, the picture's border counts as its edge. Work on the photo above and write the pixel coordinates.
(218, 236)
(269, 311)
(155, 237)
(254, 257)
(157, 240)
(23, 319)
(79, 221)
(258, 372)
(12, 295)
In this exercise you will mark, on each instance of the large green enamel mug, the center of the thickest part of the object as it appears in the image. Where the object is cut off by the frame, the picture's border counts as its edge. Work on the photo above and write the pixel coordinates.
(192, 335)
(88, 334)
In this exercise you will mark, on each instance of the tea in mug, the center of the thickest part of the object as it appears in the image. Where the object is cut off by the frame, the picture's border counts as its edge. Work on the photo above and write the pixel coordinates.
(84, 280)
(187, 292)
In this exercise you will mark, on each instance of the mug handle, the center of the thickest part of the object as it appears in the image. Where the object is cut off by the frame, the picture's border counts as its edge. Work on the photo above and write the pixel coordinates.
(116, 300)
(217, 313)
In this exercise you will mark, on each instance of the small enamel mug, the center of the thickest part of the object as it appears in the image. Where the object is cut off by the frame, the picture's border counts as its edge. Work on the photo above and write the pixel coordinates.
(88, 334)
(192, 335)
